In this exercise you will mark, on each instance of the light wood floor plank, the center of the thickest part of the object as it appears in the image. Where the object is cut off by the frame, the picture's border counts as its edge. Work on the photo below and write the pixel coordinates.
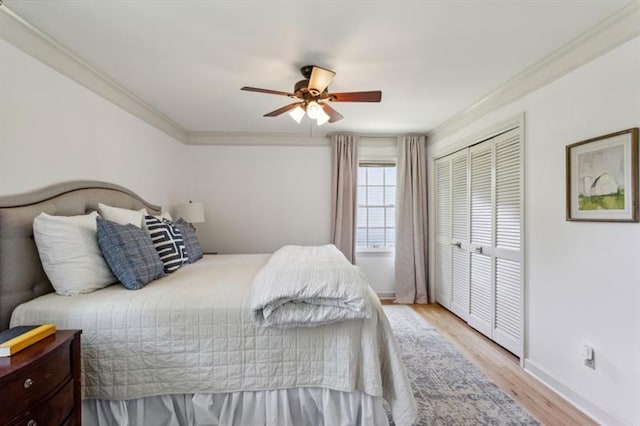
(503, 368)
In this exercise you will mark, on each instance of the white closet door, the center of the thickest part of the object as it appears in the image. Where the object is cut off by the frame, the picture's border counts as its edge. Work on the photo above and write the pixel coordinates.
(481, 305)
(460, 234)
(508, 285)
(443, 232)
(479, 237)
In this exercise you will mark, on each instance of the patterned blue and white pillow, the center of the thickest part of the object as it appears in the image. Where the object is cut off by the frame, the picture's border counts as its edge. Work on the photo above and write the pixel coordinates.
(190, 240)
(168, 241)
(129, 253)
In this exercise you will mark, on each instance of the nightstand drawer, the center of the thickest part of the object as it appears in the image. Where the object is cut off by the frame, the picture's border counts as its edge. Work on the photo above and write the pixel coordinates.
(36, 382)
(52, 411)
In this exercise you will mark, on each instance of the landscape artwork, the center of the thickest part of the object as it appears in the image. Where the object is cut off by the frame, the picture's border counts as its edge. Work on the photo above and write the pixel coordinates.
(602, 178)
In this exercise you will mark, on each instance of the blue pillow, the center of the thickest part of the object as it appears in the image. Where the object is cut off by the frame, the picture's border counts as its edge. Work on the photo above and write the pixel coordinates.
(129, 253)
(190, 240)
(167, 239)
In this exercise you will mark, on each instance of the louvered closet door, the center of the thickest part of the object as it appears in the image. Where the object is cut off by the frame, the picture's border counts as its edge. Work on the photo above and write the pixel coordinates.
(460, 234)
(479, 229)
(481, 305)
(508, 303)
(443, 232)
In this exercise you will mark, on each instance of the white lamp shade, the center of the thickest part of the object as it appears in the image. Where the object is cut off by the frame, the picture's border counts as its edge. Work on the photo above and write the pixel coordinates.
(314, 110)
(297, 113)
(323, 117)
(190, 212)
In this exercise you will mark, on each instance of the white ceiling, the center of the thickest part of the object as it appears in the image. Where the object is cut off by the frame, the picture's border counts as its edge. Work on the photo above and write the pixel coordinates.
(431, 59)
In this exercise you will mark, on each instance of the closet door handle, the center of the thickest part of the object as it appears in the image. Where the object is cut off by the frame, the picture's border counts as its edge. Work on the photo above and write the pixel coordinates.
(478, 250)
(457, 244)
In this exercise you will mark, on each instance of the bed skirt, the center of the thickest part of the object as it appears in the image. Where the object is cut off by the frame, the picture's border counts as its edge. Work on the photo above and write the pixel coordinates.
(282, 407)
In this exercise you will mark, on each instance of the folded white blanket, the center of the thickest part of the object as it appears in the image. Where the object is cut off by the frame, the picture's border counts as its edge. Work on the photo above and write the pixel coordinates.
(307, 287)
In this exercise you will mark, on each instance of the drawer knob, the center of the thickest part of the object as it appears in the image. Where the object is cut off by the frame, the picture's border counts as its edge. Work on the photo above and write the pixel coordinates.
(27, 385)
(32, 423)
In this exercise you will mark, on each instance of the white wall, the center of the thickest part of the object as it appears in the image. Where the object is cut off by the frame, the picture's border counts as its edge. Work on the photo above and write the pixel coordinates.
(582, 279)
(258, 198)
(53, 130)
(379, 267)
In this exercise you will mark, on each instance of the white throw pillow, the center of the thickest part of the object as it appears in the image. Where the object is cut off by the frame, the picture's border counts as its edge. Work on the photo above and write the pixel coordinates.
(122, 216)
(70, 255)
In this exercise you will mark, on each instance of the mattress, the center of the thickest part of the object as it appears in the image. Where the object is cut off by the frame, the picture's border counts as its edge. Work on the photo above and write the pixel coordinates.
(192, 332)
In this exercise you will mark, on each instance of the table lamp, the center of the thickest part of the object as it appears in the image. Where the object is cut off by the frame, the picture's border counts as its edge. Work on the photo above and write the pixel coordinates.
(190, 212)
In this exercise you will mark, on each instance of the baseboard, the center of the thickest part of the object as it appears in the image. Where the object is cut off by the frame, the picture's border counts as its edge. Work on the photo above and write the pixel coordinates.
(581, 403)
(386, 294)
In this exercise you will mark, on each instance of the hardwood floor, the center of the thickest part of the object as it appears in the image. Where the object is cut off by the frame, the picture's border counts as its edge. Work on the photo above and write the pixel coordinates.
(503, 368)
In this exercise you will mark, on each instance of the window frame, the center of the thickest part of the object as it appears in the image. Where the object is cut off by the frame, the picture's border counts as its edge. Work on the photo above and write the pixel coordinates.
(377, 163)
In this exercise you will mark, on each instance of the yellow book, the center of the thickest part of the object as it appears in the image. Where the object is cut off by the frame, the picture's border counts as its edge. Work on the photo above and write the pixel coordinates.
(17, 338)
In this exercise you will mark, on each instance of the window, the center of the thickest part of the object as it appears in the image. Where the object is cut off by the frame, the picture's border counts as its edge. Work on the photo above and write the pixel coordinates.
(376, 206)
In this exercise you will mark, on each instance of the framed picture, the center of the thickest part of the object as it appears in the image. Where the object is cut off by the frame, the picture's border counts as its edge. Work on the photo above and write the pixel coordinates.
(602, 178)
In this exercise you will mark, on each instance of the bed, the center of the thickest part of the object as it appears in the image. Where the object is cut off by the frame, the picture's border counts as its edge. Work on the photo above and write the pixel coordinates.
(185, 349)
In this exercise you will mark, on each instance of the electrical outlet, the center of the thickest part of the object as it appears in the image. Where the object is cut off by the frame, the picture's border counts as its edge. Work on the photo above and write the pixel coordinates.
(588, 355)
(591, 360)
(591, 363)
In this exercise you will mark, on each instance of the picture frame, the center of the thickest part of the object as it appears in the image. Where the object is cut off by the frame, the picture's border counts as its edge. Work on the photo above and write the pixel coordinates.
(602, 178)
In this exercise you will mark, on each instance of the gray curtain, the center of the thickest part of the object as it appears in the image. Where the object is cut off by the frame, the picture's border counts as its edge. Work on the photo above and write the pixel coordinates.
(411, 221)
(344, 175)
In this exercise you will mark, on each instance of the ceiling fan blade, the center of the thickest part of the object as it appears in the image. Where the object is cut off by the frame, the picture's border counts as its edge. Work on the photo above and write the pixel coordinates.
(283, 109)
(332, 113)
(267, 91)
(374, 96)
(319, 80)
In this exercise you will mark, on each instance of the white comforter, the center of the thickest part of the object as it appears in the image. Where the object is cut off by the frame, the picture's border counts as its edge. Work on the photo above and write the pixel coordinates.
(308, 286)
(192, 332)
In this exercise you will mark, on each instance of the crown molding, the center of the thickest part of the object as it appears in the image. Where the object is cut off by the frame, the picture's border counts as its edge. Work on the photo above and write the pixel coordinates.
(34, 42)
(617, 29)
(256, 139)
(437, 151)
(284, 139)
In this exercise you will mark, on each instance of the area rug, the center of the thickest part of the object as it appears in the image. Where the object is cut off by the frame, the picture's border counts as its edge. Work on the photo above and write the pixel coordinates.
(449, 390)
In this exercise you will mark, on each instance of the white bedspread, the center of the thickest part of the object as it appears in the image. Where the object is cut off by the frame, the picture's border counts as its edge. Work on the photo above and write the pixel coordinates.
(308, 286)
(192, 332)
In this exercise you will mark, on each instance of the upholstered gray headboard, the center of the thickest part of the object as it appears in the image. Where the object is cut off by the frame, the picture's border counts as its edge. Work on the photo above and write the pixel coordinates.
(21, 275)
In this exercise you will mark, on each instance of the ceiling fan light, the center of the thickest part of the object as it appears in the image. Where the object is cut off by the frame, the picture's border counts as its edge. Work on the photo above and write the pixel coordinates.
(314, 110)
(319, 80)
(297, 113)
(323, 117)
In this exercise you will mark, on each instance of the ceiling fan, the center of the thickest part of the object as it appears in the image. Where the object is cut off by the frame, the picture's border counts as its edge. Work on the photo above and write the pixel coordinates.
(312, 97)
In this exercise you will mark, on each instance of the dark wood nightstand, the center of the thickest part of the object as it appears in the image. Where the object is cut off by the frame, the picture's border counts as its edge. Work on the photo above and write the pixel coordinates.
(40, 385)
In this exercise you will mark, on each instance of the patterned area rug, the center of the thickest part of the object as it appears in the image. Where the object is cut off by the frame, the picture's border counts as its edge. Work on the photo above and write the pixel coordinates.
(449, 390)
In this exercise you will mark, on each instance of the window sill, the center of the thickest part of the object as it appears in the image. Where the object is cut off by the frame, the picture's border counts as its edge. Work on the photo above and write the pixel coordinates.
(376, 250)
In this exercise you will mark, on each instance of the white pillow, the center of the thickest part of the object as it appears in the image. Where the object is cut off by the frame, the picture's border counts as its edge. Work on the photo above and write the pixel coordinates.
(70, 255)
(122, 216)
